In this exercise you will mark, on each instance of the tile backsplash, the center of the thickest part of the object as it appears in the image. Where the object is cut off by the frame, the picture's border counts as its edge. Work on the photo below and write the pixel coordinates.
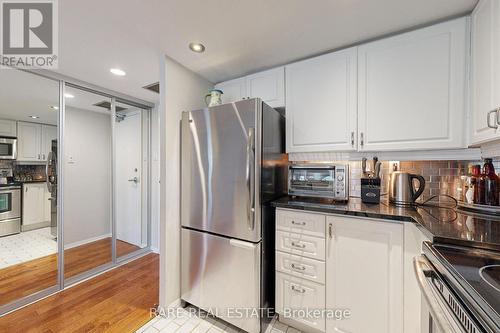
(441, 177)
(34, 171)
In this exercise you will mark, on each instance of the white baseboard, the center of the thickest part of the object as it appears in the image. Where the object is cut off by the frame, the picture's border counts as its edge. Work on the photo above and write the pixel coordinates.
(85, 241)
(155, 250)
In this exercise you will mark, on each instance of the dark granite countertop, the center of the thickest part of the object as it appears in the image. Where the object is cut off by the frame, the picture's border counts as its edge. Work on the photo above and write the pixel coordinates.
(32, 181)
(440, 225)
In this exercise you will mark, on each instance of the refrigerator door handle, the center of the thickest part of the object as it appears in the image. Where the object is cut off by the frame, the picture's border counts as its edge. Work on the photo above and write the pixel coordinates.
(242, 244)
(250, 170)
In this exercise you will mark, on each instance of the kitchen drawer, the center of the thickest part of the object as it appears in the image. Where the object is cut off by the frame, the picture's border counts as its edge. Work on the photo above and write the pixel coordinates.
(301, 267)
(301, 245)
(294, 293)
(301, 223)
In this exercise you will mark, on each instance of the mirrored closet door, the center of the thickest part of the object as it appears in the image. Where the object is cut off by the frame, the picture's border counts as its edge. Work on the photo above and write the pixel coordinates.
(131, 142)
(74, 180)
(87, 183)
(29, 115)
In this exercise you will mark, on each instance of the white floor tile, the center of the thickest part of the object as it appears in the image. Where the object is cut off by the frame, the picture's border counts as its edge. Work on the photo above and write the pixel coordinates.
(161, 323)
(151, 329)
(26, 246)
(187, 322)
(170, 328)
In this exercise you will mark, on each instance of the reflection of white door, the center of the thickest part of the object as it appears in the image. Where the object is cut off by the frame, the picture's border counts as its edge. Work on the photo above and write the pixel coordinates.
(129, 179)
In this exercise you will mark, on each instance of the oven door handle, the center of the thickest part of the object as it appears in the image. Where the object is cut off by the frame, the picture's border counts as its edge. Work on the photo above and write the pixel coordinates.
(437, 307)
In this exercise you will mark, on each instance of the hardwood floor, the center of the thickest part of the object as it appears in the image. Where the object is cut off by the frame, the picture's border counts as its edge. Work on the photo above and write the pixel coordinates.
(35, 275)
(85, 257)
(116, 301)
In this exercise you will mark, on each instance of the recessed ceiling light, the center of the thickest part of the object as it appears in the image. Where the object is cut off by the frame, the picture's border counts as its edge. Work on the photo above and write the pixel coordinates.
(68, 95)
(118, 71)
(197, 47)
(53, 107)
(34, 117)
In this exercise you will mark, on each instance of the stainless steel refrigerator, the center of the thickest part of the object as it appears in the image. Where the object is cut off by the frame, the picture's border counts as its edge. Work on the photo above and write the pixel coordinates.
(233, 165)
(51, 176)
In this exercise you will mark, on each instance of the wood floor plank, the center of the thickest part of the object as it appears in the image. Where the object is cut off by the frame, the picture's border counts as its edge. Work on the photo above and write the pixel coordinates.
(24, 279)
(116, 301)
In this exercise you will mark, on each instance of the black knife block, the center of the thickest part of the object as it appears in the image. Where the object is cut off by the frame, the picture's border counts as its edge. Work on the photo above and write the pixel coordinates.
(370, 190)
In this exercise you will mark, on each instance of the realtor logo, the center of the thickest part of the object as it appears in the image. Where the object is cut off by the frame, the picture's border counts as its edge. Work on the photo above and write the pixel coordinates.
(29, 33)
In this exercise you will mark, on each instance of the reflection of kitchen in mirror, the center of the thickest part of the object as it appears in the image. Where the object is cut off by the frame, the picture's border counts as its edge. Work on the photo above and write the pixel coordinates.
(28, 215)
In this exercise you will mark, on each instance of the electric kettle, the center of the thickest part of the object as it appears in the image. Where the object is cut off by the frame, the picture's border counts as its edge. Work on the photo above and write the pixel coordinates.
(402, 188)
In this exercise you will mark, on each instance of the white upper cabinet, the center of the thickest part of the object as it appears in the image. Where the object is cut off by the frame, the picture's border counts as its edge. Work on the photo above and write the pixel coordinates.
(233, 90)
(321, 97)
(8, 128)
(267, 85)
(49, 133)
(34, 141)
(485, 71)
(412, 89)
(29, 142)
(364, 273)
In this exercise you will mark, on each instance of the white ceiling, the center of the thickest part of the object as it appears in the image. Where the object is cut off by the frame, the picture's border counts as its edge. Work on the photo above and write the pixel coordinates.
(240, 36)
(23, 95)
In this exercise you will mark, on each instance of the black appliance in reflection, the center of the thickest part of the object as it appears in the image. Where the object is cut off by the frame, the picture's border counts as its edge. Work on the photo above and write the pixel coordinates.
(51, 171)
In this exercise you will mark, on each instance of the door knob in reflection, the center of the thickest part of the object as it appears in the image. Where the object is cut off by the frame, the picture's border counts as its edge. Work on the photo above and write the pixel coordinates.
(135, 180)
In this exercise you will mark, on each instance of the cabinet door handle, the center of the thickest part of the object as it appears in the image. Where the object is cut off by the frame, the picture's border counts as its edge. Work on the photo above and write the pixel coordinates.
(298, 223)
(330, 230)
(298, 267)
(43, 156)
(362, 139)
(495, 126)
(298, 289)
(298, 245)
(498, 116)
(352, 139)
(38, 156)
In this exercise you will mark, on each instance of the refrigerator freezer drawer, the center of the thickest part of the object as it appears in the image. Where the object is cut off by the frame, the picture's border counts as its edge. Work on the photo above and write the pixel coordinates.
(221, 274)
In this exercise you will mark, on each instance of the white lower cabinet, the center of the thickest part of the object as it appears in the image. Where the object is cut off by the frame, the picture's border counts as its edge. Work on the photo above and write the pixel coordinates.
(364, 274)
(299, 266)
(296, 298)
(358, 277)
(36, 206)
(302, 245)
(413, 239)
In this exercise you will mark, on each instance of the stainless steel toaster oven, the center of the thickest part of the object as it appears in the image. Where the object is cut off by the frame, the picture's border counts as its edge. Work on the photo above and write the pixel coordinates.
(319, 180)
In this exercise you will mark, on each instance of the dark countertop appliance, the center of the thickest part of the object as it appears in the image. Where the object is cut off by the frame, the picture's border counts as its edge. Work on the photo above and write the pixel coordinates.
(319, 180)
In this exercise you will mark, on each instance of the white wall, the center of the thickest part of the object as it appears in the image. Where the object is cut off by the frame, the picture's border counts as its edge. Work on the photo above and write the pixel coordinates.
(155, 179)
(181, 90)
(87, 176)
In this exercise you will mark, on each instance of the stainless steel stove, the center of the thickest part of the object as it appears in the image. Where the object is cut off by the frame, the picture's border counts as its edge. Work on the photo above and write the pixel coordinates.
(465, 283)
(10, 204)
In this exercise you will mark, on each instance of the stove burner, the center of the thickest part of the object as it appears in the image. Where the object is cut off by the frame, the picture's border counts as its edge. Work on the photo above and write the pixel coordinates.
(491, 275)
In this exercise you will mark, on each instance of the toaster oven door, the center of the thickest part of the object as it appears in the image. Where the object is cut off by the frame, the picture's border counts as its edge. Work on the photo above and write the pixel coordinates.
(315, 181)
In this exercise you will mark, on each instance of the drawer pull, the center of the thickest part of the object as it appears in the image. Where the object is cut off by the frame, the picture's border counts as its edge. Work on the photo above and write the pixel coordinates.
(298, 245)
(298, 223)
(298, 267)
(297, 289)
